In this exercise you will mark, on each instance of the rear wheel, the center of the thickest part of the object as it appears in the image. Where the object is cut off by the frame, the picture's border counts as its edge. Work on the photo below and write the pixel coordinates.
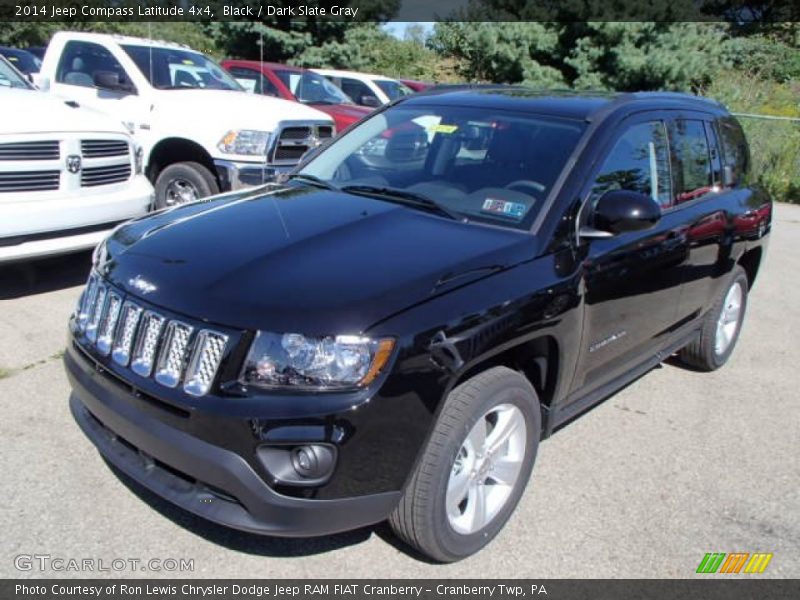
(721, 327)
(184, 182)
(474, 469)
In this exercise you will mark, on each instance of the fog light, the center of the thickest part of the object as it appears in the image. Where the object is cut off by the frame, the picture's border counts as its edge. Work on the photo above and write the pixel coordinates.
(313, 461)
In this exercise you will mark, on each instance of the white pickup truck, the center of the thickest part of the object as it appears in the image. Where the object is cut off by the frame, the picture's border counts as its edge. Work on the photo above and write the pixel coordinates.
(200, 131)
(68, 175)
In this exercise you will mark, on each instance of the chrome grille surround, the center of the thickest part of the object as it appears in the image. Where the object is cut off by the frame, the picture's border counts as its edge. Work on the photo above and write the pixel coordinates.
(121, 351)
(144, 351)
(152, 345)
(172, 358)
(203, 364)
(105, 335)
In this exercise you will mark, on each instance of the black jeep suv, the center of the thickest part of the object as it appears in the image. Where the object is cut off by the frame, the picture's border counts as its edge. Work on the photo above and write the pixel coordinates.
(390, 332)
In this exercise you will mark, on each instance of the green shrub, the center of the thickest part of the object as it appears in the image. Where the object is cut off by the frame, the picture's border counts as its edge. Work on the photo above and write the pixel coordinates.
(774, 145)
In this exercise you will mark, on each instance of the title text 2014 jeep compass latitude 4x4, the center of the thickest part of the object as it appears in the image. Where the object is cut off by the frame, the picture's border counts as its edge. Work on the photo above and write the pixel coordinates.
(391, 332)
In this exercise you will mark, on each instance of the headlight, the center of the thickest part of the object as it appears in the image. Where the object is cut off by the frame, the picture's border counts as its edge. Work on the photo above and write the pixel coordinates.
(138, 160)
(244, 141)
(294, 361)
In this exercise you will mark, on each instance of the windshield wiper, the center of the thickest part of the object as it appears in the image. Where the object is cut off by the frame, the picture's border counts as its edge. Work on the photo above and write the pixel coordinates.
(314, 180)
(402, 197)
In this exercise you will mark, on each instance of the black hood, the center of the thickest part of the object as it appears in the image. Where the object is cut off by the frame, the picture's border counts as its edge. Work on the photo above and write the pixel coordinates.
(302, 259)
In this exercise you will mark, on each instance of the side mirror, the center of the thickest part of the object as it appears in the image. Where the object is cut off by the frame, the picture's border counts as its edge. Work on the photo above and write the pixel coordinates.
(108, 80)
(371, 101)
(619, 211)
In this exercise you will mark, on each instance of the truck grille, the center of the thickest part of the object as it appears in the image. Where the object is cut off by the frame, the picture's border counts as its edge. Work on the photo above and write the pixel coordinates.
(48, 150)
(103, 148)
(147, 342)
(94, 176)
(295, 140)
(29, 181)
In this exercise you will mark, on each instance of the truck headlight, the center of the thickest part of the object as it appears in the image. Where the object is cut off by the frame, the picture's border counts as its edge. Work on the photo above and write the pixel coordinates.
(244, 141)
(292, 360)
(138, 160)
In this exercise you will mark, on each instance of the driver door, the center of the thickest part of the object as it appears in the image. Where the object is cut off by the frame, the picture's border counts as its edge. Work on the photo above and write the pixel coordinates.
(632, 280)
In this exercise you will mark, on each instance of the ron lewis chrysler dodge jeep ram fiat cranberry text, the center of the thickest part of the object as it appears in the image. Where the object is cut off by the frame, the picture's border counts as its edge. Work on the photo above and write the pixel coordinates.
(392, 331)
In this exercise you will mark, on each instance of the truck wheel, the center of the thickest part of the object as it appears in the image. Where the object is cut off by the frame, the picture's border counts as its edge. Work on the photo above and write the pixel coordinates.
(184, 182)
(721, 327)
(474, 469)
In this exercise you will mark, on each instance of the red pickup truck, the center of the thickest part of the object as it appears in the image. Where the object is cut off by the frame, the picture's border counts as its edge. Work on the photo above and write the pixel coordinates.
(300, 85)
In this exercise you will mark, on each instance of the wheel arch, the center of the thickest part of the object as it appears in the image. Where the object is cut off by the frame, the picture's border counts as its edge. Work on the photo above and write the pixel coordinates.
(750, 261)
(176, 150)
(537, 360)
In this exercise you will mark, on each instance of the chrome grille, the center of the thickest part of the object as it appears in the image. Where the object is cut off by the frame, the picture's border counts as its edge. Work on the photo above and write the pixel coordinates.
(144, 352)
(205, 360)
(29, 181)
(103, 148)
(94, 176)
(121, 351)
(294, 141)
(147, 342)
(173, 354)
(45, 150)
(105, 336)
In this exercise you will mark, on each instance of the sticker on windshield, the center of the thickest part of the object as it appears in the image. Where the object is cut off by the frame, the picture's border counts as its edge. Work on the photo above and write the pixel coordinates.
(186, 61)
(515, 210)
(441, 128)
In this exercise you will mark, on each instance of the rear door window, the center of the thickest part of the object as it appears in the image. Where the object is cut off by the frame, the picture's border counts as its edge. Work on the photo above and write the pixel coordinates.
(692, 160)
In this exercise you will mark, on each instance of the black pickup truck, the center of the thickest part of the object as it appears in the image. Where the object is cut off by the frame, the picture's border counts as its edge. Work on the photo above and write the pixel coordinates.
(390, 332)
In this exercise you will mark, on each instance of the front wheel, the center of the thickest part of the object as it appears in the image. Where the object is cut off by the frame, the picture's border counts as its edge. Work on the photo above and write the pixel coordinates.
(184, 182)
(721, 327)
(474, 469)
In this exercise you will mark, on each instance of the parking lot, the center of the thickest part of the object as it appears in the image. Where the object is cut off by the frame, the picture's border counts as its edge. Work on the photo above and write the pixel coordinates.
(676, 465)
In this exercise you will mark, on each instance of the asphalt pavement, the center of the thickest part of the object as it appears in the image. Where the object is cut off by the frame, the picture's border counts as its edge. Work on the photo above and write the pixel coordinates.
(676, 465)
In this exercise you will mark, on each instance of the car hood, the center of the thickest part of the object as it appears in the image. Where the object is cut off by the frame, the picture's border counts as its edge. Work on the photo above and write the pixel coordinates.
(240, 109)
(33, 111)
(302, 259)
(349, 111)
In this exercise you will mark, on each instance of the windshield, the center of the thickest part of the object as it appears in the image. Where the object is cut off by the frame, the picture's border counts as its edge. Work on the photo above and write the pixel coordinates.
(11, 78)
(312, 88)
(393, 89)
(179, 69)
(477, 163)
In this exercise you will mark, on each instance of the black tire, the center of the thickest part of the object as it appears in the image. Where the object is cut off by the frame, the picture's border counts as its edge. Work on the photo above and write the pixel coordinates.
(701, 353)
(421, 519)
(191, 174)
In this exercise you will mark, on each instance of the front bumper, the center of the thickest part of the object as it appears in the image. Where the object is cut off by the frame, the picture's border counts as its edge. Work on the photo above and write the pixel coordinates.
(38, 225)
(208, 480)
(238, 175)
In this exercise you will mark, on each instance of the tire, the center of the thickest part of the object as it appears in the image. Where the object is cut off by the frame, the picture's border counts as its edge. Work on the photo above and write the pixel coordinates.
(421, 519)
(190, 177)
(704, 353)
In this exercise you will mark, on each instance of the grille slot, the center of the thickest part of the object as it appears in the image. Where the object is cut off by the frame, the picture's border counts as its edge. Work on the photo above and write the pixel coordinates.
(121, 352)
(103, 148)
(173, 354)
(46, 150)
(144, 352)
(94, 176)
(295, 140)
(147, 342)
(203, 365)
(29, 181)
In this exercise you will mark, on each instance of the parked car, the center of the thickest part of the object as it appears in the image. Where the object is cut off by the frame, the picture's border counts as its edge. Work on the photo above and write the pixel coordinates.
(298, 85)
(25, 62)
(200, 132)
(391, 332)
(415, 85)
(37, 51)
(365, 89)
(67, 175)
